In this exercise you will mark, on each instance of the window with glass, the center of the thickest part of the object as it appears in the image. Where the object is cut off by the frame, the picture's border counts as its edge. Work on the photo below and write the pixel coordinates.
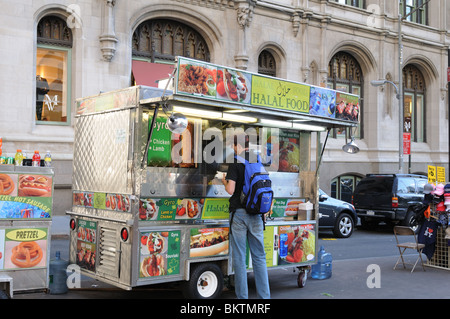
(414, 103)
(155, 45)
(342, 187)
(353, 3)
(267, 64)
(345, 75)
(53, 70)
(163, 40)
(407, 8)
(406, 186)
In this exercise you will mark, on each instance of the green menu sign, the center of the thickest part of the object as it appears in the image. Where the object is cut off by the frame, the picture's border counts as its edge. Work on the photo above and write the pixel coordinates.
(159, 151)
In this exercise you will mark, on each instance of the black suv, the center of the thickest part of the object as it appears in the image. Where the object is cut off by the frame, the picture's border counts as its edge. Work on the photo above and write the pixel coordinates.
(389, 198)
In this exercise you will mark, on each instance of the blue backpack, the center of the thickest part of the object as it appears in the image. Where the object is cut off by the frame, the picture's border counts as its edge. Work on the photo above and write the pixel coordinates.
(257, 191)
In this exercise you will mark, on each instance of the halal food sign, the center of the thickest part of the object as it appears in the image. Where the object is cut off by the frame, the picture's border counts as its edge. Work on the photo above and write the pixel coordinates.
(280, 94)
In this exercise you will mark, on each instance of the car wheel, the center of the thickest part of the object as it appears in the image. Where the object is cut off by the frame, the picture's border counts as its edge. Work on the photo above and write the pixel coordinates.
(344, 226)
(410, 221)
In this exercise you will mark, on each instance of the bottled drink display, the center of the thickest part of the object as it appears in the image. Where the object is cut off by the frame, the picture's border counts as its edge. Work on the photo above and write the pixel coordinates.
(36, 159)
(48, 159)
(18, 159)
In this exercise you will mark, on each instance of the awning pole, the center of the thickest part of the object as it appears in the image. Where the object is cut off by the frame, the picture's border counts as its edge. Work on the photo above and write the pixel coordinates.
(155, 114)
(323, 149)
(149, 138)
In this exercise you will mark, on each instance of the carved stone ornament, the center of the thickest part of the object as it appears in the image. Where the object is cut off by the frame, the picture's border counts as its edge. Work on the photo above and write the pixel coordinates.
(108, 39)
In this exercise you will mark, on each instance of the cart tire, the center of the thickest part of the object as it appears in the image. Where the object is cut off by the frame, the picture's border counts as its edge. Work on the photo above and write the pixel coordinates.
(206, 282)
(301, 279)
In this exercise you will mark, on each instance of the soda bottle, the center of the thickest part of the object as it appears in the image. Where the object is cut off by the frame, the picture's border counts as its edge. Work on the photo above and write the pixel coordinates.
(36, 159)
(18, 158)
(283, 245)
(48, 159)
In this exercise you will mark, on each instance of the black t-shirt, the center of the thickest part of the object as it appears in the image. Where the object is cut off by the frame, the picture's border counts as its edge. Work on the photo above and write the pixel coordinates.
(236, 173)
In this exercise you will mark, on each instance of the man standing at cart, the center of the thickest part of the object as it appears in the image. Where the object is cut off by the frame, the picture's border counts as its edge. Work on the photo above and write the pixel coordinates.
(245, 227)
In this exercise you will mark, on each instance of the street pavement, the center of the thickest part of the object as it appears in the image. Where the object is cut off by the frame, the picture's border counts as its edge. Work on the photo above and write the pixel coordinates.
(355, 278)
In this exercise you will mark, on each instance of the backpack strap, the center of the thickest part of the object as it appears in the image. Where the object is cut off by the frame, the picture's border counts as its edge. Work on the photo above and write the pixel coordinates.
(241, 159)
(244, 161)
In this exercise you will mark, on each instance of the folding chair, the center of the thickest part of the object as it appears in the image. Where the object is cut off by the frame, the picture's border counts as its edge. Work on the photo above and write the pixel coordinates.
(401, 231)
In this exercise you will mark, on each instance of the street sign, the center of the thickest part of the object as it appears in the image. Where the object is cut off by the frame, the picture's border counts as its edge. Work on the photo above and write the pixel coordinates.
(431, 174)
(406, 143)
(441, 174)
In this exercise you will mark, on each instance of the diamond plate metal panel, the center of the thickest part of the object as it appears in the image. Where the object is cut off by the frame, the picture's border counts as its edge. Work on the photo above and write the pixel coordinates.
(102, 153)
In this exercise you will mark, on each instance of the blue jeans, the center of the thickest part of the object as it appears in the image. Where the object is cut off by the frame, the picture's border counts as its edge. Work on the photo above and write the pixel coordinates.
(247, 227)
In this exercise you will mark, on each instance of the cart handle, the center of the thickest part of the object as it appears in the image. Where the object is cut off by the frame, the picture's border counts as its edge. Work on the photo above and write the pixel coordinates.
(128, 222)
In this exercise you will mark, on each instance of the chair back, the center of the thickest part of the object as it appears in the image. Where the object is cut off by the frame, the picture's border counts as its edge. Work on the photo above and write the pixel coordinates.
(403, 230)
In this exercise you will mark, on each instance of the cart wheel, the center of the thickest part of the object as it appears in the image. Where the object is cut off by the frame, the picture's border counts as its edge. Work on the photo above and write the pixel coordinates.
(206, 282)
(301, 279)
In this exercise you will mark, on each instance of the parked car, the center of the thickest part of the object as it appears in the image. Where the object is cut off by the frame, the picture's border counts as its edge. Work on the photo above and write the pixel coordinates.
(389, 198)
(336, 215)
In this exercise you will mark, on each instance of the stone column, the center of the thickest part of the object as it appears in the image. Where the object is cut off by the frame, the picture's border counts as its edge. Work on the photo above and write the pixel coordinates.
(244, 13)
(108, 38)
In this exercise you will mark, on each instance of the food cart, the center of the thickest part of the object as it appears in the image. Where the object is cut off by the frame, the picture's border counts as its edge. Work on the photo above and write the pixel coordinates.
(26, 200)
(148, 202)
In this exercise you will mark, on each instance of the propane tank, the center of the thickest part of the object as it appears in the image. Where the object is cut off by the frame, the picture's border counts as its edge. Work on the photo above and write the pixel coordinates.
(58, 275)
(322, 270)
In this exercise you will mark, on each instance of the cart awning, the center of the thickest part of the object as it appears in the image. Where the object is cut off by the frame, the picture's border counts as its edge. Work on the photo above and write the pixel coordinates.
(148, 74)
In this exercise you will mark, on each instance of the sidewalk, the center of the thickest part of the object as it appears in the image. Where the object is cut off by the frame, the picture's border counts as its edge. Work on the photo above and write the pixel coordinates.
(359, 278)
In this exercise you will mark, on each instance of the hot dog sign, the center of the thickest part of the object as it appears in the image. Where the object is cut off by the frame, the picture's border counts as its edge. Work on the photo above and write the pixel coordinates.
(25, 196)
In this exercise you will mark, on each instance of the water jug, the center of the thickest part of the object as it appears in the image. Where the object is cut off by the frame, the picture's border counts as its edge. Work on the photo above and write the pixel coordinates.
(58, 275)
(322, 270)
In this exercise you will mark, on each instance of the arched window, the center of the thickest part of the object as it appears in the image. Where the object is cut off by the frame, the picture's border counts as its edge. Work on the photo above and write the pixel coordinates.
(414, 103)
(163, 40)
(267, 64)
(53, 69)
(155, 45)
(345, 74)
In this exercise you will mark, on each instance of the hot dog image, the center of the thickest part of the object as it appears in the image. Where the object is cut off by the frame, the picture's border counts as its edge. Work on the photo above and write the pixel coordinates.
(209, 242)
(292, 208)
(35, 185)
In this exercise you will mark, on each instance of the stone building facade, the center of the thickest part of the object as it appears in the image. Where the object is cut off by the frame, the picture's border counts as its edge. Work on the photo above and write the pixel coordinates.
(53, 52)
